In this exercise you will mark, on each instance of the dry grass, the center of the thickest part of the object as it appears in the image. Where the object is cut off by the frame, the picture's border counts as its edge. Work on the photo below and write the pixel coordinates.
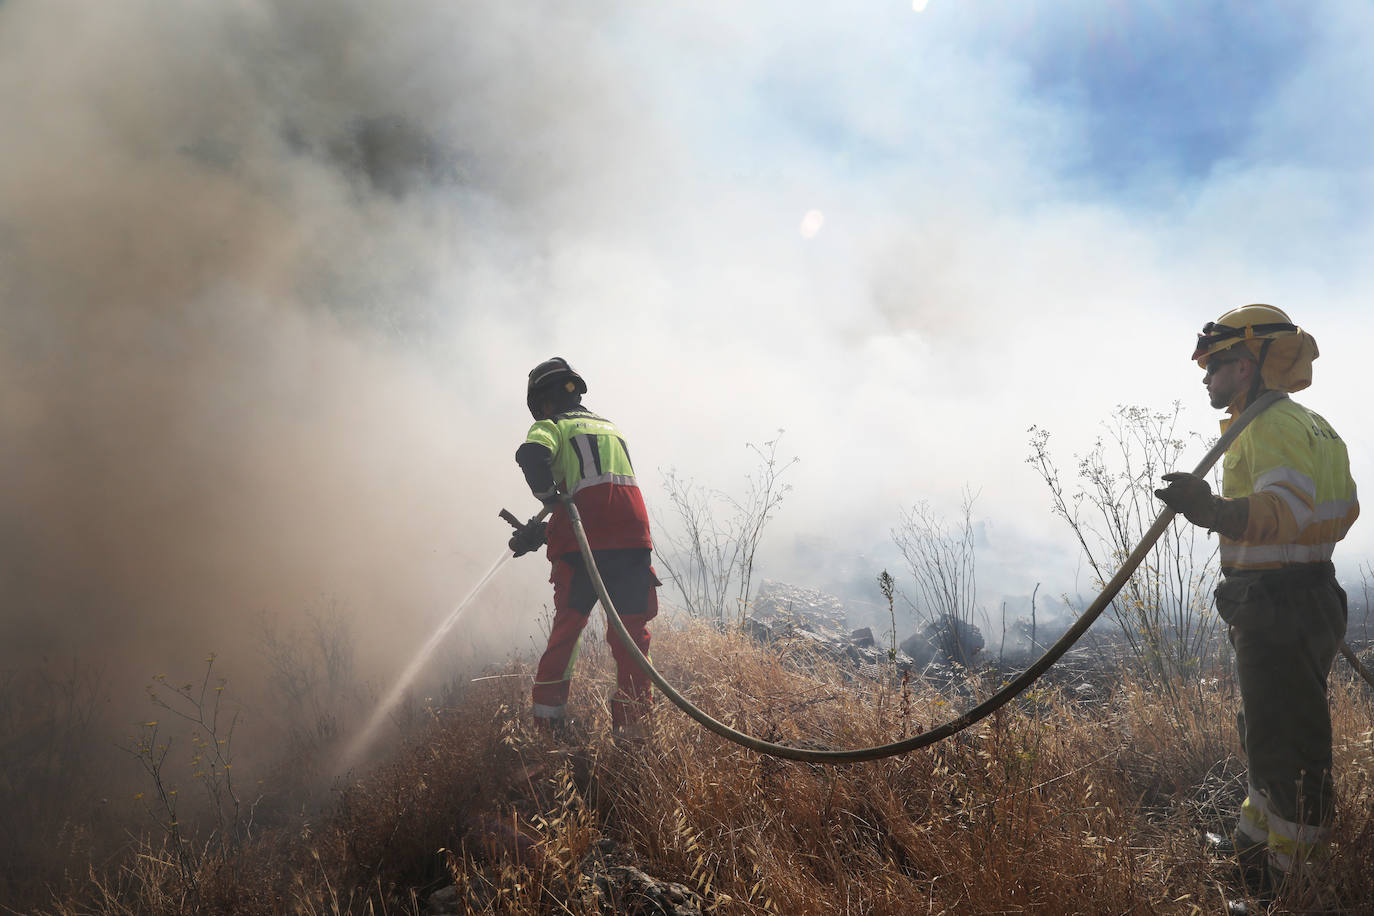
(1048, 807)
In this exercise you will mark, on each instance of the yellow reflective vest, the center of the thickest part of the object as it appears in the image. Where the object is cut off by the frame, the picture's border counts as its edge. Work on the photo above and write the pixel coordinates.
(1294, 469)
(590, 461)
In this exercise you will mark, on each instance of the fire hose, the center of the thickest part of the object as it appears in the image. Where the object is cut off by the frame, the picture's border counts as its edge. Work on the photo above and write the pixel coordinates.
(1358, 665)
(1011, 690)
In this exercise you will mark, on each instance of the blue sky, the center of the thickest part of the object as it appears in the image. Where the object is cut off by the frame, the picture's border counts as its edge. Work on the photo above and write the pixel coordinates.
(904, 237)
(1162, 87)
(999, 179)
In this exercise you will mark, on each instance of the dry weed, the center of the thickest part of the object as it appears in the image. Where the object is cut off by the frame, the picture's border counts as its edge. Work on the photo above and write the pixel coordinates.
(1051, 805)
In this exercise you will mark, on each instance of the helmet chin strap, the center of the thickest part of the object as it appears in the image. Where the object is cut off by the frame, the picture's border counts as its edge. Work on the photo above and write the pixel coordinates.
(1257, 383)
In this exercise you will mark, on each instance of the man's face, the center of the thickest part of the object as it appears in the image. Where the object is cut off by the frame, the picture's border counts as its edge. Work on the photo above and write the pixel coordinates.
(1225, 378)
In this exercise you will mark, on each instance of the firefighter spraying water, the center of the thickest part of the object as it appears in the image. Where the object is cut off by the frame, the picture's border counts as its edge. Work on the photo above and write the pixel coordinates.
(573, 453)
(569, 450)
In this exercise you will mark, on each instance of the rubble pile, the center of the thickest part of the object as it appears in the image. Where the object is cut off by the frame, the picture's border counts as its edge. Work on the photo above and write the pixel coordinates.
(942, 652)
(792, 615)
(822, 613)
(945, 640)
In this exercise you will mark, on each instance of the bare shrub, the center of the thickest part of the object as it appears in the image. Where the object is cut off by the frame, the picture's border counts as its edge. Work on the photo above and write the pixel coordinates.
(1165, 610)
(709, 553)
(942, 561)
(210, 758)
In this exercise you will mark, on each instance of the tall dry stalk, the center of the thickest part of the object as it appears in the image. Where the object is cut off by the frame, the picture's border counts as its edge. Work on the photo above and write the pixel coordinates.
(709, 549)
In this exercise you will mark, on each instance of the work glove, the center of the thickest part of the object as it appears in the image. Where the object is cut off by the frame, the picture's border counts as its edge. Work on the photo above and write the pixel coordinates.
(1190, 496)
(529, 536)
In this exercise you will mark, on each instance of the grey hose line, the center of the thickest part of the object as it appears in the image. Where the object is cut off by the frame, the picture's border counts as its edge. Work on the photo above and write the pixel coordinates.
(982, 710)
(1358, 665)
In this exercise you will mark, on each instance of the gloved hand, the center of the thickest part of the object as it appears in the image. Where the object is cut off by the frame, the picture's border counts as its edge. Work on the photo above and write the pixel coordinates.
(528, 537)
(1191, 496)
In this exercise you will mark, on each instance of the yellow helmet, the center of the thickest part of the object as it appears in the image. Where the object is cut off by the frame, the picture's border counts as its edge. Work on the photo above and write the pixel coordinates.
(1283, 350)
(1249, 322)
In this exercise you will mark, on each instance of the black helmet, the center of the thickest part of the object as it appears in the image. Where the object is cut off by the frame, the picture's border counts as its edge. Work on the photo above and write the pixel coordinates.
(552, 377)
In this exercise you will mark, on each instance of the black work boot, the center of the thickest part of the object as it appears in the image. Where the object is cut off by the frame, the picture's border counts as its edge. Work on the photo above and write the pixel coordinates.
(1250, 860)
(556, 729)
(631, 734)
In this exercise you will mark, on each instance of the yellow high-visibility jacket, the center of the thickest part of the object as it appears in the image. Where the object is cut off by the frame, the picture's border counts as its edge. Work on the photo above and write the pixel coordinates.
(1295, 472)
(585, 455)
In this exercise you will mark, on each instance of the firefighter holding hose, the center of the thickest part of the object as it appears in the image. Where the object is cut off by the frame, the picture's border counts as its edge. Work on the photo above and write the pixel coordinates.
(571, 451)
(1286, 498)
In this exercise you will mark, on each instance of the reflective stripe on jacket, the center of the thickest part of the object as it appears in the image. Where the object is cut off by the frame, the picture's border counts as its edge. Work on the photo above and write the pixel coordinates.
(1294, 468)
(590, 460)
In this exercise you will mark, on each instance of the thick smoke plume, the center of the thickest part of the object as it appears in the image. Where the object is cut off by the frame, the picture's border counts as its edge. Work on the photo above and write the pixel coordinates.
(248, 252)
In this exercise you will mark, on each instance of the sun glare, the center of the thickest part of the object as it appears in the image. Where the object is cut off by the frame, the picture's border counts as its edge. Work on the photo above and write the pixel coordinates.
(811, 224)
(919, 5)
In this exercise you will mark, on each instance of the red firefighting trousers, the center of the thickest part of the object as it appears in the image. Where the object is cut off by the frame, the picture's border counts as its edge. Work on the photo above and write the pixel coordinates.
(631, 584)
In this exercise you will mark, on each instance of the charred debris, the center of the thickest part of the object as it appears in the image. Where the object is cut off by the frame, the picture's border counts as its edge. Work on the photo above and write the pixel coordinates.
(943, 651)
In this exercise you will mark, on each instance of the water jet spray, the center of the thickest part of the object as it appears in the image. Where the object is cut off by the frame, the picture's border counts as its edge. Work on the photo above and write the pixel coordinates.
(364, 738)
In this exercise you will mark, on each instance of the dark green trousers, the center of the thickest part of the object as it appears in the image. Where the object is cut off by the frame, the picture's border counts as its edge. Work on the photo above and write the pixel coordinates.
(1286, 627)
